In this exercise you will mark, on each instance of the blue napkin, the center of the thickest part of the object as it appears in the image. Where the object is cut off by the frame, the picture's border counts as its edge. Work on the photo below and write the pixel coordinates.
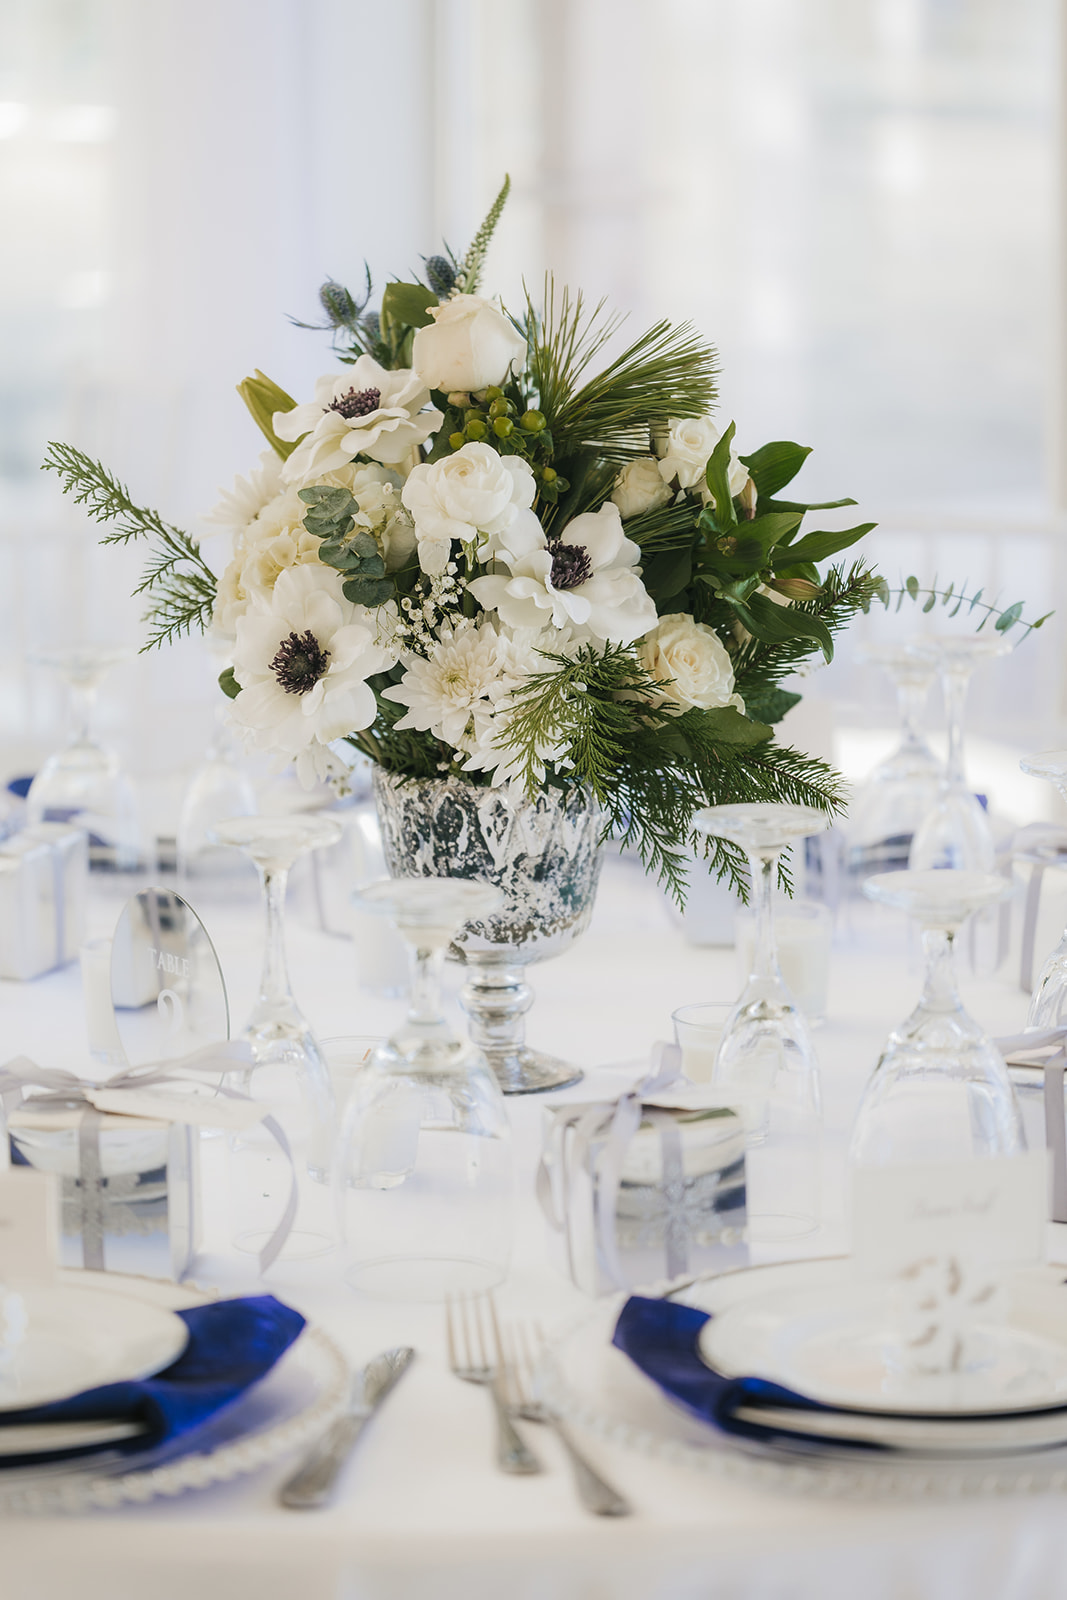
(661, 1339)
(232, 1344)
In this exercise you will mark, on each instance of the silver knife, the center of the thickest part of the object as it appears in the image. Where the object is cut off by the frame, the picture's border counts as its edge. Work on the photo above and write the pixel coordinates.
(313, 1481)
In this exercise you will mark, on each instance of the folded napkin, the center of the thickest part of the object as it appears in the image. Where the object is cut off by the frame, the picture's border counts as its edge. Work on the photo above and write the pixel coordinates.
(662, 1340)
(232, 1344)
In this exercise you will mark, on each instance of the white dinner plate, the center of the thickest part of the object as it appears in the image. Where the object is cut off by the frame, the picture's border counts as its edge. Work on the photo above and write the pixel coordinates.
(815, 1328)
(79, 1338)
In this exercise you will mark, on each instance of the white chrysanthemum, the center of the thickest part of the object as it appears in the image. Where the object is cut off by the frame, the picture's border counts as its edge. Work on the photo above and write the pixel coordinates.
(303, 665)
(365, 410)
(238, 506)
(523, 656)
(587, 579)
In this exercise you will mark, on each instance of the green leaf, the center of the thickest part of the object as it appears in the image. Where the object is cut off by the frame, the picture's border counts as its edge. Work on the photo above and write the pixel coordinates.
(808, 505)
(774, 465)
(368, 591)
(1009, 618)
(228, 684)
(263, 398)
(327, 503)
(912, 586)
(718, 480)
(770, 704)
(817, 546)
(668, 574)
(728, 726)
(406, 305)
(773, 624)
(773, 528)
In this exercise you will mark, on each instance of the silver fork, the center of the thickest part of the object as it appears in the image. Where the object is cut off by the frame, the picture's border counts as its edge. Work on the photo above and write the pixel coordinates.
(470, 1355)
(518, 1357)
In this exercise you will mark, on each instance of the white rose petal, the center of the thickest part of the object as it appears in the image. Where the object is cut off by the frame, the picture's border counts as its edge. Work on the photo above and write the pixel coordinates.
(693, 656)
(469, 345)
(475, 495)
(686, 450)
(640, 487)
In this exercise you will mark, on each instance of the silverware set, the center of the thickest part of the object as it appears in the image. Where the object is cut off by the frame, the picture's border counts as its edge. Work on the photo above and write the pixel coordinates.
(503, 1360)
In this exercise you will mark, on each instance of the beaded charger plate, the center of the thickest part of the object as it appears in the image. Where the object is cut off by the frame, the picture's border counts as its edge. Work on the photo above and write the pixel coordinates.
(591, 1385)
(300, 1396)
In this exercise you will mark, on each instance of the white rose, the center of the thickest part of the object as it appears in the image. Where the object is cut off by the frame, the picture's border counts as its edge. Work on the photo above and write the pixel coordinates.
(640, 487)
(693, 656)
(469, 345)
(475, 495)
(686, 449)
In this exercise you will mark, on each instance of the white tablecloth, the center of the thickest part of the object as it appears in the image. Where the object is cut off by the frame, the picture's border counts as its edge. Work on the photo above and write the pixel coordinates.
(422, 1510)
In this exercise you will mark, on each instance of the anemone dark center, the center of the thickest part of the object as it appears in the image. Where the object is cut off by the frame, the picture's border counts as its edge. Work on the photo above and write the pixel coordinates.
(300, 662)
(571, 565)
(356, 403)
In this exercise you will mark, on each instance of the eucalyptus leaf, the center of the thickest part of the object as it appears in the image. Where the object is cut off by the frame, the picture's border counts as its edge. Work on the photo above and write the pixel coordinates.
(368, 591)
(228, 684)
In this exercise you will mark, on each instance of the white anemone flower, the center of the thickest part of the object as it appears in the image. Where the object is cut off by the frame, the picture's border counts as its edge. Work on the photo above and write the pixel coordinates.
(366, 410)
(303, 664)
(586, 579)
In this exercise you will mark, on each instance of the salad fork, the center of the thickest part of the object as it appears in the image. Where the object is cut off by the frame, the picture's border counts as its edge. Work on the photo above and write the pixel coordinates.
(471, 1332)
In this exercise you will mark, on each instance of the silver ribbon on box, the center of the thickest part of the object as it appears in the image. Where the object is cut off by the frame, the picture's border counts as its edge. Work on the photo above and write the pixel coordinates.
(1045, 1050)
(626, 1116)
(94, 1100)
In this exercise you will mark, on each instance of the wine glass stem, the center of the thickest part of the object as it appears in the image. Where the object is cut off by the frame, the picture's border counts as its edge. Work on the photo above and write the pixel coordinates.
(82, 702)
(939, 987)
(426, 967)
(911, 698)
(954, 687)
(765, 953)
(274, 981)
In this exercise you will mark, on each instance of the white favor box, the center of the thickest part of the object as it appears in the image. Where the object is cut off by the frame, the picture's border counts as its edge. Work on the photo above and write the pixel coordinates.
(44, 874)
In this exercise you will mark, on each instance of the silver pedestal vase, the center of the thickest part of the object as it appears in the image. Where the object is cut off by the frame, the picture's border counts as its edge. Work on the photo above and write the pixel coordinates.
(544, 853)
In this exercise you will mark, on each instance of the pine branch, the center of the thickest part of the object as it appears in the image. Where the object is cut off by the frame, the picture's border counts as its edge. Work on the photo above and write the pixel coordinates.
(667, 372)
(470, 269)
(177, 580)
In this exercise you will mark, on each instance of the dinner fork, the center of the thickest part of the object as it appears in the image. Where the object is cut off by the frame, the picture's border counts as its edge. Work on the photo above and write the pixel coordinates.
(517, 1361)
(472, 1334)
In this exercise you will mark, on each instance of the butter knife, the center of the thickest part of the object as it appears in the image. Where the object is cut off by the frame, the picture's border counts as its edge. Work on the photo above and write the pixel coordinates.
(313, 1481)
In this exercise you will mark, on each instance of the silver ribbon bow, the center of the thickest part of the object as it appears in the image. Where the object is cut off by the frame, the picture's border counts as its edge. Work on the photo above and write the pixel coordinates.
(20, 1074)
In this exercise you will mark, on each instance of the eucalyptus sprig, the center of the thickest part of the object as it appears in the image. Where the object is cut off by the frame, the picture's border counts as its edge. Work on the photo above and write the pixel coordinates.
(1003, 618)
(177, 581)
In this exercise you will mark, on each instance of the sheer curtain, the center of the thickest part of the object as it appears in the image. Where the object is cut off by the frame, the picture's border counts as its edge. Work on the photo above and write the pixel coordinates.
(855, 199)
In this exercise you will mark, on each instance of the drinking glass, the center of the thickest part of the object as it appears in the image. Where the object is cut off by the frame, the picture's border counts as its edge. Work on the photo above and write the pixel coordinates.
(83, 783)
(1049, 999)
(956, 832)
(422, 1170)
(289, 1072)
(902, 790)
(218, 791)
(767, 1059)
(940, 1090)
(698, 1031)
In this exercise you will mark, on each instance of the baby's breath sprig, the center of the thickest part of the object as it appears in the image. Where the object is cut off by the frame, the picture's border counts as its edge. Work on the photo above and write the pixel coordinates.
(435, 601)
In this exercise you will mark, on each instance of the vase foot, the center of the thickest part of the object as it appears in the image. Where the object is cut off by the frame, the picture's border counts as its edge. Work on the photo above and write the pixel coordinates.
(529, 1072)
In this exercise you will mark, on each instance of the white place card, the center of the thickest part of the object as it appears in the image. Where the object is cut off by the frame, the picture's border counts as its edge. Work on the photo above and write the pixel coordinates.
(993, 1211)
(29, 1225)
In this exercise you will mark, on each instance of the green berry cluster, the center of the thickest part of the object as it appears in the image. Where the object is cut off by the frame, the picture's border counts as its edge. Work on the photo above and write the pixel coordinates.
(502, 419)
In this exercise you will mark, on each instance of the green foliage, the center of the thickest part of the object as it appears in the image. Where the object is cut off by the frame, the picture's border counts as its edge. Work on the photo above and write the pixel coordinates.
(774, 465)
(263, 398)
(1004, 619)
(331, 517)
(405, 305)
(760, 664)
(667, 372)
(177, 581)
(228, 684)
(469, 273)
(652, 770)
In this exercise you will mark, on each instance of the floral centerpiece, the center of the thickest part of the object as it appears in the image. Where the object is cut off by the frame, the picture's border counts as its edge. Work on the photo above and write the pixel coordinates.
(489, 550)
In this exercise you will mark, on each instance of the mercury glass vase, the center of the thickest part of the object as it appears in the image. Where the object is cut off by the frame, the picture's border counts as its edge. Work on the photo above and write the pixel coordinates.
(544, 853)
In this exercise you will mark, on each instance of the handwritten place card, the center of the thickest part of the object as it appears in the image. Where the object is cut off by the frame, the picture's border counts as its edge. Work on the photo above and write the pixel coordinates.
(29, 1225)
(992, 1211)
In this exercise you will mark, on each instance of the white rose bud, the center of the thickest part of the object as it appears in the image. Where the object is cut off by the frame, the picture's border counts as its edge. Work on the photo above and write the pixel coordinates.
(686, 449)
(694, 657)
(639, 487)
(469, 345)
